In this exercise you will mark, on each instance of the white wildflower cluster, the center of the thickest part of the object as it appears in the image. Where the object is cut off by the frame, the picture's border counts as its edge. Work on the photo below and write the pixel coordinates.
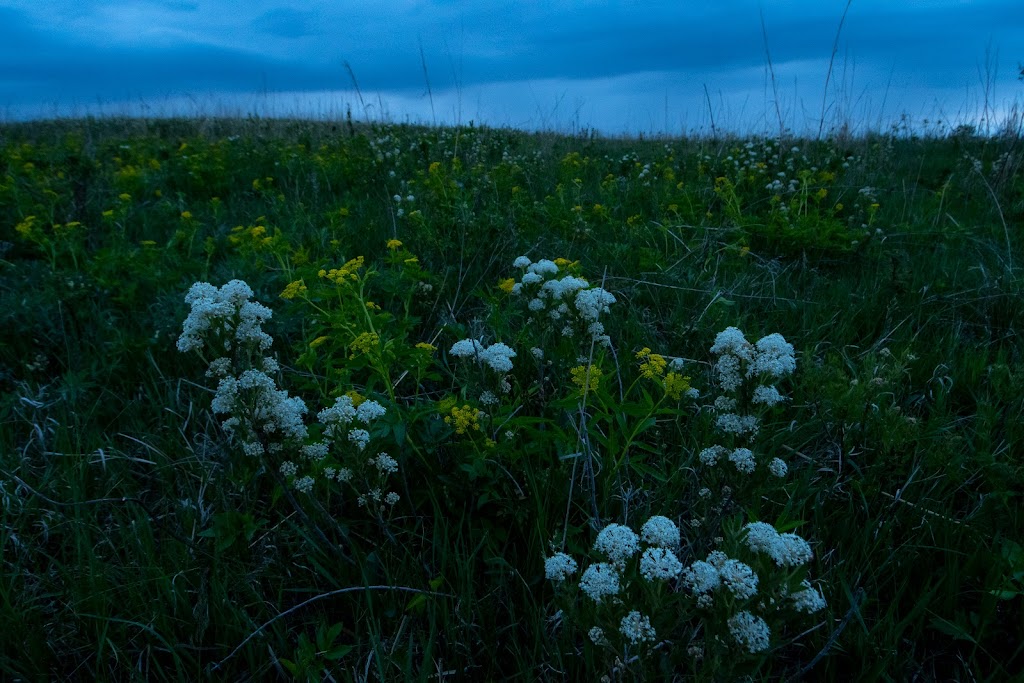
(224, 324)
(347, 422)
(497, 357)
(603, 581)
(224, 318)
(771, 358)
(568, 302)
(787, 550)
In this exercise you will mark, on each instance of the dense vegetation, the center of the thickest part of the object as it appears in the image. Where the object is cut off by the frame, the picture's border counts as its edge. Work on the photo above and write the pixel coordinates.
(142, 539)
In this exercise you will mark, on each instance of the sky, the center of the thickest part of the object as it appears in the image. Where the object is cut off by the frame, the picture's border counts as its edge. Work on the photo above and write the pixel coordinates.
(652, 67)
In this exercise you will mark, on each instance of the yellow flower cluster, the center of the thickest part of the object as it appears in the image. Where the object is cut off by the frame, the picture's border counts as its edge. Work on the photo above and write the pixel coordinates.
(424, 346)
(317, 342)
(463, 419)
(584, 381)
(651, 364)
(349, 271)
(676, 385)
(364, 343)
(506, 285)
(356, 397)
(394, 244)
(294, 289)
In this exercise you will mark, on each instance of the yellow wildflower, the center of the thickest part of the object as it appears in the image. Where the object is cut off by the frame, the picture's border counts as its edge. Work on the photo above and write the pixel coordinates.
(506, 285)
(318, 341)
(347, 272)
(586, 377)
(430, 348)
(562, 262)
(434, 168)
(372, 306)
(294, 289)
(186, 215)
(394, 244)
(652, 365)
(463, 419)
(676, 385)
(124, 197)
(356, 397)
(364, 343)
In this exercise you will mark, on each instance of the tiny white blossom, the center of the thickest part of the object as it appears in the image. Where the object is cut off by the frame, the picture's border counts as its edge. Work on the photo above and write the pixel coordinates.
(288, 468)
(391, 498)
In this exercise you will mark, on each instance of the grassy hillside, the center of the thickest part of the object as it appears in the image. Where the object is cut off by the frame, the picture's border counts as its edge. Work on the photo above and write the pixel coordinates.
(215, 504)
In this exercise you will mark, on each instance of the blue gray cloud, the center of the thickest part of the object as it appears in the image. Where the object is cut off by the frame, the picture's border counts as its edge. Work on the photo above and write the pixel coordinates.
(82, 51)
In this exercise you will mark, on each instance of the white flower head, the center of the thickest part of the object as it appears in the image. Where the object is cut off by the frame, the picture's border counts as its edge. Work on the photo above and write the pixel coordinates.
(709, 456)
(618, 542)
(659, 564)
(660, 531)
(775, 357)
(360, 437)
(767, 395)
(637, 628)
(743, 458)
(542, 267)
(369, 411)
(791, 551)
(809, 600)
(559, 567)
(466, 348)
(761, 537)
(521, 262)
(600, 580)
(701, 577)
(739, 578)
(778, 468)
(750, 631)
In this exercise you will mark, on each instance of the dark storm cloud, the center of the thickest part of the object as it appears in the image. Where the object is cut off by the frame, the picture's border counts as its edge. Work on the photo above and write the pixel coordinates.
(107, 50)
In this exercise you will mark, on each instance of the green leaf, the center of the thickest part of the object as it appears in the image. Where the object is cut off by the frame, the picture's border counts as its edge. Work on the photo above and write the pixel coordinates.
(951, 628)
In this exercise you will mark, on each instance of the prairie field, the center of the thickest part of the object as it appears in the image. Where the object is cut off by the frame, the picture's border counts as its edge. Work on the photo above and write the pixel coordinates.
(293, 400)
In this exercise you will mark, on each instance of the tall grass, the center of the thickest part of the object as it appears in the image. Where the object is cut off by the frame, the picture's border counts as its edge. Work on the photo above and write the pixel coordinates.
(140, 542)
